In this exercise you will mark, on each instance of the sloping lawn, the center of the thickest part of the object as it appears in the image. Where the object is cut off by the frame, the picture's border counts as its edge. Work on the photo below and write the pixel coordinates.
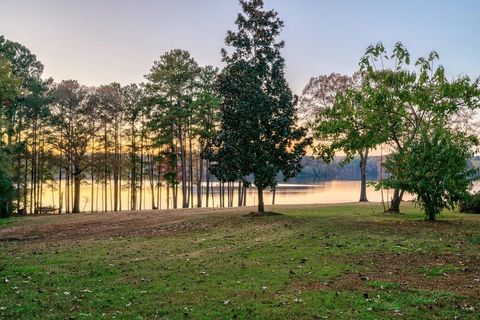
(313, 262)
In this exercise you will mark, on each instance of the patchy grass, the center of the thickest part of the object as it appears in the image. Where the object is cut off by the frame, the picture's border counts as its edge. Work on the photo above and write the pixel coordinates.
(4, 222)
(475, 240)
(440, 270)
(383, 285)
(314, 261)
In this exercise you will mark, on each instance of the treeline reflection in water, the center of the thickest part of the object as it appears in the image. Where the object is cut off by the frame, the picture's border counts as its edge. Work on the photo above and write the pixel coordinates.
(335, 191)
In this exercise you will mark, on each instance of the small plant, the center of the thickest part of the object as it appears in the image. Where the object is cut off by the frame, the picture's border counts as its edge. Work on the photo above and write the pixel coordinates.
(471, 203)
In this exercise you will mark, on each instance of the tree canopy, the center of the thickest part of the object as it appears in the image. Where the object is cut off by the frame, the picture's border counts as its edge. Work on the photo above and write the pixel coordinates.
(258, 133)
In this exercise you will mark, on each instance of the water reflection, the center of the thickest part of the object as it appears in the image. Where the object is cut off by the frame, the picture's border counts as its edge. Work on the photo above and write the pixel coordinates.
(287, 193)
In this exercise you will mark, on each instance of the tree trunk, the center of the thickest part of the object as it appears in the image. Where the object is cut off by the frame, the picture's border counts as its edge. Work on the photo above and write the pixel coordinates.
(141, 171)
(67, 186)
(76, 199)
(183, 162)
(151, 179)
(396, 200)
(168, 195)
(42, 165)
(207, 190)
(105, 153)
(222, 194)
(33, 204)
(175, 195)
(430, 211)
(229, 194)
(363, 176)
(60, 200)
(199, 183)
(25, 184)
(244, 195)
(159, 182)
(213, 195)
(240, 193)
(115, 169)
(190, 168)
(133, 169)
(92, 191)
(261, 207)
(119, 184)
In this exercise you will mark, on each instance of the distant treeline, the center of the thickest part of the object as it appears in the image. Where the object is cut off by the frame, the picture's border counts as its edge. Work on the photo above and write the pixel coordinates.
(318, 170)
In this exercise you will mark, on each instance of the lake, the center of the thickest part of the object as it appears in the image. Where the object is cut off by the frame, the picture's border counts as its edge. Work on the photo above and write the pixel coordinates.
(334, 191)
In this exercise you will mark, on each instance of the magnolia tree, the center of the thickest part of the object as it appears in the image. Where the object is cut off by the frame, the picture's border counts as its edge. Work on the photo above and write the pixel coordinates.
(258, 135)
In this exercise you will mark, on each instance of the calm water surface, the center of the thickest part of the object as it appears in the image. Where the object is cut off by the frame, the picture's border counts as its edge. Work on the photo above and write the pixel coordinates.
(288, 193)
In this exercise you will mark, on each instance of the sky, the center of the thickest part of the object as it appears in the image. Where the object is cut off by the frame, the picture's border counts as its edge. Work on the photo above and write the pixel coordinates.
(101, 41)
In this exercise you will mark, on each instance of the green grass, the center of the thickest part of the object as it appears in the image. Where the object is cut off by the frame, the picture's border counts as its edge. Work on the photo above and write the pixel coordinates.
(304, 264)
(440, 270)
(5, 222)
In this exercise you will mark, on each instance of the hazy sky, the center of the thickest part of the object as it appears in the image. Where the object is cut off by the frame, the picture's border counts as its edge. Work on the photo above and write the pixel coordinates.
(100, 41)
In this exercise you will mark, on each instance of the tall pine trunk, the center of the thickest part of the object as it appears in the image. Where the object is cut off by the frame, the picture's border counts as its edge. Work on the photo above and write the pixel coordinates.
(207, 190)
(199, 182)
(115, 169)
(76, 186)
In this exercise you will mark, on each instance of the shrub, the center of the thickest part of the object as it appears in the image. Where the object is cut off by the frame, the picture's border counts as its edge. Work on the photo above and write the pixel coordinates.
(471, 203)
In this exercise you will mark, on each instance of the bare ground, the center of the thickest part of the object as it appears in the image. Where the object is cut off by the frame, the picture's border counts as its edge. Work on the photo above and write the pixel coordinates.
(405, 272)
(122, 223)
(110, 224)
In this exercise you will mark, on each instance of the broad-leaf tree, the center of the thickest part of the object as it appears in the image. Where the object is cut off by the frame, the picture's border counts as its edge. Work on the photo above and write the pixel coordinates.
(435, 168)
(408, 101)
(258, 134)
(334, 108)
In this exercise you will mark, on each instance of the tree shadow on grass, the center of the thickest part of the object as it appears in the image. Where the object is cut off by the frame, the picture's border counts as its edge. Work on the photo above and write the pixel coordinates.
(262, 214)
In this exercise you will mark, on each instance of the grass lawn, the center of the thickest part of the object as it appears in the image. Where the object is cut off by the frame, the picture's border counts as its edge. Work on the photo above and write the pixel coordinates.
(346, 261)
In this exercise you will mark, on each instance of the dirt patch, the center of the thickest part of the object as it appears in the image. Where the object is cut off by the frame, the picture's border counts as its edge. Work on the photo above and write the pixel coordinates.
(407, 271)
(113, 224)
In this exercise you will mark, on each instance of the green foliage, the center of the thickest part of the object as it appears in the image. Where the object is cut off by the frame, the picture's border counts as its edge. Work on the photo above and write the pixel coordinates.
(9, 83)
(258, 134)
(206, 105)
(435, 168)
(24, 107)
(7, 192)
(169, 95)
(342, 120)
(414, 109)
(75, 119)
(9, 89)
(470, 203)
